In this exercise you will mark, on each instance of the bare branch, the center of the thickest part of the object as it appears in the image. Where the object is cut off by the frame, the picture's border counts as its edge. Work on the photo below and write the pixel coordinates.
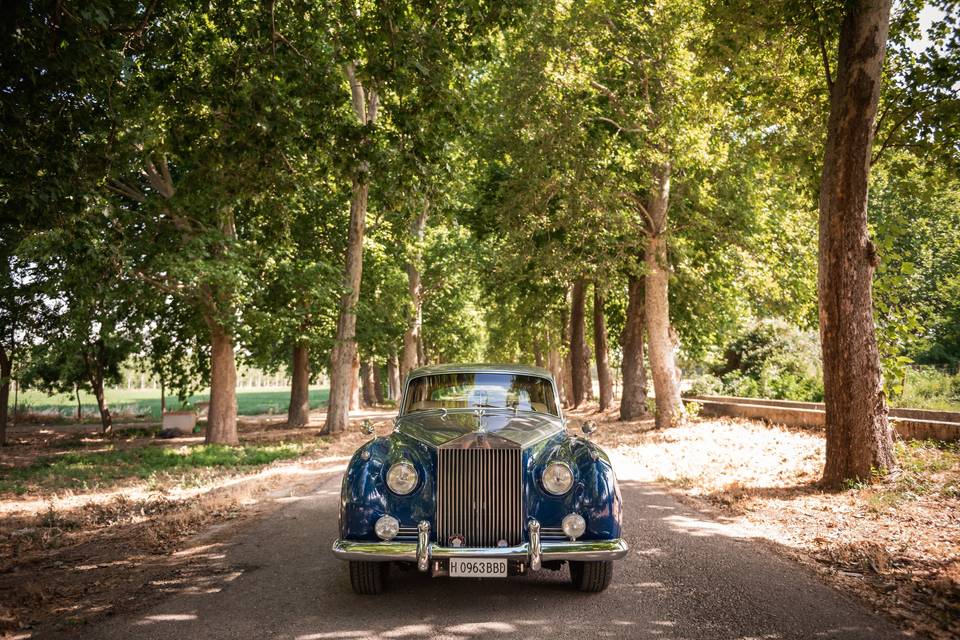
(356, 92)
(126, 190)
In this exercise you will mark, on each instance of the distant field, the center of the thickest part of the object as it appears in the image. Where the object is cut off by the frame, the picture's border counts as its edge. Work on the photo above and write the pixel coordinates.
(146, 402)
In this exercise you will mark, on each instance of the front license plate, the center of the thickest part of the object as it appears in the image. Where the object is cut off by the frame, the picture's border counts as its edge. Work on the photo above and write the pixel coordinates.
(477, 568)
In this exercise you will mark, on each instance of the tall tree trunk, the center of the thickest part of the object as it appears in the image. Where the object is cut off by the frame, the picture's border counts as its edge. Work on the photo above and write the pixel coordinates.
(163, 396)
(859, 438)
(411, 336)
(342, 372)
(378, 383)
(355, 380)
(393, 378)
(538, 355)
(6, 372)
(368, 384)
(666, 377)
(555, 364)
(604, 378)
(222, 413)
(76, 392)
(578, 340)
(566, 379)
(298, 413)
(633, 399)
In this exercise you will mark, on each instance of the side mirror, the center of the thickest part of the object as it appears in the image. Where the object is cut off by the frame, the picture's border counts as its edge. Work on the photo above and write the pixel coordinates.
(588, 427)
(367, 427)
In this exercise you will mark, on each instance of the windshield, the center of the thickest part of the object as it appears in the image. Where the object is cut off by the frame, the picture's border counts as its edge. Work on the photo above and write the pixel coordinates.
(480, 390)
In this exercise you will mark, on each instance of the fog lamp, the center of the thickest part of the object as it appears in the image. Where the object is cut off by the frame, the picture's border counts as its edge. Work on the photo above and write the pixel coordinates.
(573, 525)
(387, 528)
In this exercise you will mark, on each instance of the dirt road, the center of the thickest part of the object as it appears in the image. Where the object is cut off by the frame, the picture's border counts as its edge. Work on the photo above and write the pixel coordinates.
(686, 577)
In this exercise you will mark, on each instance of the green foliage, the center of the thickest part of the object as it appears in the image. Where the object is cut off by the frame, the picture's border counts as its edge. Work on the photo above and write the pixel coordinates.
(930, 388)
(771, 359)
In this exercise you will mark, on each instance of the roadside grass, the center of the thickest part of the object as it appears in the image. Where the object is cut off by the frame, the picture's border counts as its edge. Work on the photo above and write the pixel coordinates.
(81, 471)
(930, 388)
(133, 404)
(926, 468)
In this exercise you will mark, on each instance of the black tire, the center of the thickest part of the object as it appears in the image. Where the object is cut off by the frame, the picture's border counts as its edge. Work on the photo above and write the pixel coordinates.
(368, 578)
(591, 577)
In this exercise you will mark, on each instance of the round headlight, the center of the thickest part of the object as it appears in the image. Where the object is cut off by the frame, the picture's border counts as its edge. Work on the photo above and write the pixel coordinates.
(573, 525)
(557, 478)
(402, 478)
(387, 527)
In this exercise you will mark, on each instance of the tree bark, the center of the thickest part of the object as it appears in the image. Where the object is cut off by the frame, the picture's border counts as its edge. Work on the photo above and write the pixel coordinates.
(95, 374)
(411, 335)
(222, 413)
(345, 348)
(578, 341)
(633, 399)
(666, 377)
(342, 372)
(393, 378)
(6, 372)
(298, 413)
(859, 439)
(604, 379)
(555, 364)
(368, 384)
(355, 383)
(566, 380)
(76, 391)
(163, 396)
(378, 383)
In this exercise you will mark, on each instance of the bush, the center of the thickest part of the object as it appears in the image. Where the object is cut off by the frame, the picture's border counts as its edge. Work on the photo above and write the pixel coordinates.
(707, 384)
(929, 388)
(771, 359)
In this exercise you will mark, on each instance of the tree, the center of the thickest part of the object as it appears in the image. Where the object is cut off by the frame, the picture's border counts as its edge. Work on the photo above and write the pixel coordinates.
(633, 399)
(600, 349)
(91, 327)
(859, 440)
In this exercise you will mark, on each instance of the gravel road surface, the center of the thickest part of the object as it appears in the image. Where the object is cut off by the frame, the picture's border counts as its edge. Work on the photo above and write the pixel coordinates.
(686, 577)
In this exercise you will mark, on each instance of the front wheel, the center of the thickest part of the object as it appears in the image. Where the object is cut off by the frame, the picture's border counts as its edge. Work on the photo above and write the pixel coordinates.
(368, 578)
(592, 577)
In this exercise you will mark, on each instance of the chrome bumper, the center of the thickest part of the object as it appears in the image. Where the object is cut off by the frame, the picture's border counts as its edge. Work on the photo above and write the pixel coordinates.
(534, 552)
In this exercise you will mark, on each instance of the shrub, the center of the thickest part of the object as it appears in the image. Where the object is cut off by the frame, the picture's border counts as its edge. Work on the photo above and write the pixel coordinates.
(772, 359)
(930, 388)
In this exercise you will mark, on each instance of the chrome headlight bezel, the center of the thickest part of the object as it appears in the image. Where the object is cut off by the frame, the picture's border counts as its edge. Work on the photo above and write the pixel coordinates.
(557, 478)
(402, 478)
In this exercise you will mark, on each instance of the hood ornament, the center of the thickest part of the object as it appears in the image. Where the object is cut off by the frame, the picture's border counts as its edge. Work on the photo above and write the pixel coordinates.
(479, 414)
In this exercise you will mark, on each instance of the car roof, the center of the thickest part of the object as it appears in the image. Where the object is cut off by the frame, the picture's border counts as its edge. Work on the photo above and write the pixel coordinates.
(479, 367)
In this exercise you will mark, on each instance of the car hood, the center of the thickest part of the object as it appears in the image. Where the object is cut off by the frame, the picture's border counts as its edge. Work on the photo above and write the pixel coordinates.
(495, 429)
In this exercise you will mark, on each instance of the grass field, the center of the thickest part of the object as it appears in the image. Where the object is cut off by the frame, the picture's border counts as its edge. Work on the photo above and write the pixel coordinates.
(80, 470)
(146, 402)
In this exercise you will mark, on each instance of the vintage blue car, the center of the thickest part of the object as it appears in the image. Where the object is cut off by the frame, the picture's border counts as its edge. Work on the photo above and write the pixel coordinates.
(480, 478)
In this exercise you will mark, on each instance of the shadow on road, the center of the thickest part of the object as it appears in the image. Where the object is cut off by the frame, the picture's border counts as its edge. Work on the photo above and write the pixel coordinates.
(686, 577)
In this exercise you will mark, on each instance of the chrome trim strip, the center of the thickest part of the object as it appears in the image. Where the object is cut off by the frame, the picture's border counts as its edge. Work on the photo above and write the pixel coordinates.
(549, 550)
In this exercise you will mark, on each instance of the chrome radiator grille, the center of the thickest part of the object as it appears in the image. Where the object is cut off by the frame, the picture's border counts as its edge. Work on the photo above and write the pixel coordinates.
(479, 496)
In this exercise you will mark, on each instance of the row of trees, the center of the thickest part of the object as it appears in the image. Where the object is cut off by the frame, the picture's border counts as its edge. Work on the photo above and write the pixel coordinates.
(363, 188)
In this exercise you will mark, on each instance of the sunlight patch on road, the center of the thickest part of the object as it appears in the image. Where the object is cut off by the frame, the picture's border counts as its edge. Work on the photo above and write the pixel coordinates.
(704, 528)
(336, 634)
(167, 617)
(479, 628)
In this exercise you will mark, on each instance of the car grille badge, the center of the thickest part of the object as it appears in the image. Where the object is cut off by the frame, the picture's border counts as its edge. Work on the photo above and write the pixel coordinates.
(456, 540)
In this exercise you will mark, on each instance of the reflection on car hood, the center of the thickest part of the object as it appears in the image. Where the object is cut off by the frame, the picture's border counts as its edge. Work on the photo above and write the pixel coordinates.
(520, 430)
